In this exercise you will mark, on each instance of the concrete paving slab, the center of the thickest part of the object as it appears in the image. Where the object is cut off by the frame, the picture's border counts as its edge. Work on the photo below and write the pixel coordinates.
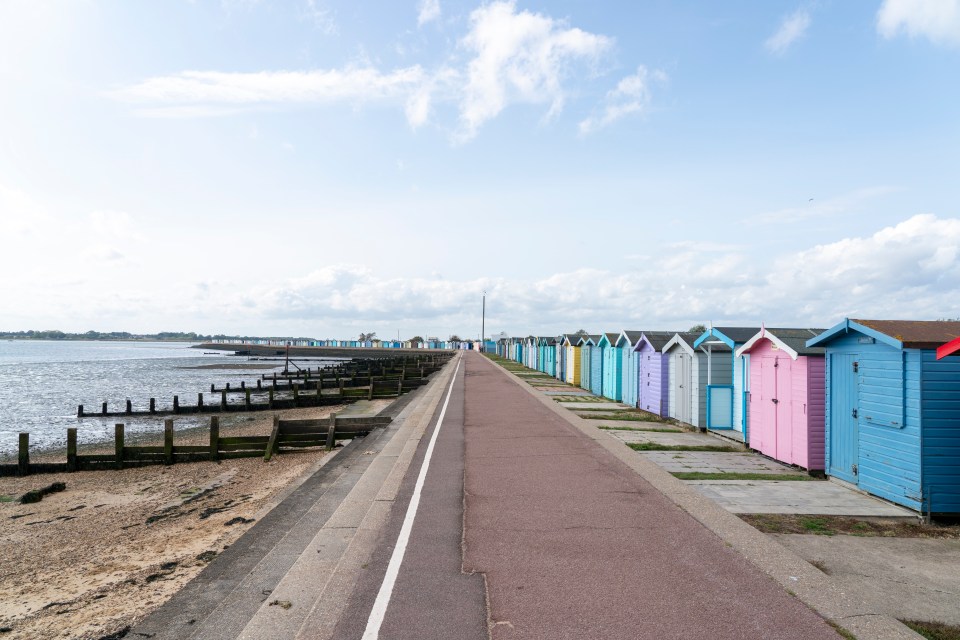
(715, 462)
(593, 405)
(911, 578)
(677, 439)
(814, 498)
(568, 393)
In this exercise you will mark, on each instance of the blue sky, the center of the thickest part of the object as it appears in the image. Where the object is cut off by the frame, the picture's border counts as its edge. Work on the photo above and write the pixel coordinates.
(315, 167)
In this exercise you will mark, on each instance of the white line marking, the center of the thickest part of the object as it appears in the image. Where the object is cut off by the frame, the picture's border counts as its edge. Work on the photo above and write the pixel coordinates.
(380, 605)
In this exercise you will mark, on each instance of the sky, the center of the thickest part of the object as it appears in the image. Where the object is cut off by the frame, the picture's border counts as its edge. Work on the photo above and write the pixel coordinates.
(323, 167)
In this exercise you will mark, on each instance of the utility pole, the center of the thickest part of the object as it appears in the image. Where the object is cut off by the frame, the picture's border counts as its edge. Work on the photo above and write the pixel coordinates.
(483, 323)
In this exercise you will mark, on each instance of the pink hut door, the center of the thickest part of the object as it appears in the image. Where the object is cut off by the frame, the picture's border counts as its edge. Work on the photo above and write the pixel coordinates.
(766, 426)
(784, 404)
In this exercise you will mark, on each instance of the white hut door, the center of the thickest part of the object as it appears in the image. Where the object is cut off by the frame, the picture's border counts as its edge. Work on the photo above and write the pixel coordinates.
(684, 389)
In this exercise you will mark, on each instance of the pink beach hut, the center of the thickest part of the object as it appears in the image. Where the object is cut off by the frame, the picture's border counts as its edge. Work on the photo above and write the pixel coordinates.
(785, 402)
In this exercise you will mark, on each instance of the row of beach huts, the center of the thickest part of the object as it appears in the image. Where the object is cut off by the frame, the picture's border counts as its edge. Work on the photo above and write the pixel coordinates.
(873, 403)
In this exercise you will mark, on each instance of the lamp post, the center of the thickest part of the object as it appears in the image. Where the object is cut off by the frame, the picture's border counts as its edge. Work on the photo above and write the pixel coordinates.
(483, 324)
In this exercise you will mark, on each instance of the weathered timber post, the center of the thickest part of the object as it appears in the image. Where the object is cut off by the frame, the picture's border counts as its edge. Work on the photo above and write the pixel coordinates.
(332, 432)
(227, 387)
(370, 391)
(176, 405)
(153, 405)
(214, 438)
(79, 410)
(270, 399)
(118, 444)
(23, 455)
(223, 400)
(296, 395)
(340, 385)
(129, 407)
(259, 385)
(103, 408)
(200, 403)
(273, 443)
(213, 388)
(399, 387)
(243, 384)
(168, 441)
(246, 399)
(72, 449)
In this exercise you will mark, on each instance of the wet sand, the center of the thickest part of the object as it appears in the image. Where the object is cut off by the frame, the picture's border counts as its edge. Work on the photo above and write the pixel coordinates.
(85, 562)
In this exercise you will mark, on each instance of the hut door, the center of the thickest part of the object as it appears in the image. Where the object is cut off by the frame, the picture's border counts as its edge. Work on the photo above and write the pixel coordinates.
(843, 422)
(764, 426)
(684, 381)
(784, 405)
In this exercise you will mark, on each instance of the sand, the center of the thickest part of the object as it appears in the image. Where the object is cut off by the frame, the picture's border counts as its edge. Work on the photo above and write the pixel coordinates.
(85, 563)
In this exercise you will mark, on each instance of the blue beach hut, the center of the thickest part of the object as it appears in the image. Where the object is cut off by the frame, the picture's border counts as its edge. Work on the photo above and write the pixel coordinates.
(587, 346)
(596, 365)
(629, 373)
(726, 393)
(893, 411)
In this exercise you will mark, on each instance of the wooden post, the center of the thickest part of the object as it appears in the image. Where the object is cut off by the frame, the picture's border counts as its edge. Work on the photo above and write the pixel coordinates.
(153, 405)
(332, 432)
(270, 399)
(370, 392)
(199, 402)
(213, 388)
(340, 384)
(129, 407)
(227, 387)
(296, 395)
(104, 408)
(72, 449)
(246, 399)
(118, 444)
(214, 438)
(23, 455)
(168, 441)
(399, 387)
(273, 443)
(176, 404)
(259, 385)
(79, 410)
(223, 400)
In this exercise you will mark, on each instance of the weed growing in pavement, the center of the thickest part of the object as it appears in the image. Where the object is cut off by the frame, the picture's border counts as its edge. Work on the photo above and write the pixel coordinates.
(819, 526)
(843, 632)
(647, 429)
(934, 630)
(845, 525)
(654, 446)
(698, 475)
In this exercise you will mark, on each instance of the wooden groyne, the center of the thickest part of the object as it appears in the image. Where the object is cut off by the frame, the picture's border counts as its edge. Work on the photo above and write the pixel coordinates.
(263, 350)
(286, 435)
(340, 383)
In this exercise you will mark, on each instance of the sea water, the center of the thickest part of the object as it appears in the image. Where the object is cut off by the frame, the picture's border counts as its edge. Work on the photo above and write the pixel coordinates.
(42, 382)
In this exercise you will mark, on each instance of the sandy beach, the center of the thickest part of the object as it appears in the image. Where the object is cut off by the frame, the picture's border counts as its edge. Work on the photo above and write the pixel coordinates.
(92, 560)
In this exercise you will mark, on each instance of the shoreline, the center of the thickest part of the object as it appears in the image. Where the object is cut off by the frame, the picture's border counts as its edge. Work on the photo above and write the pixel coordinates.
(71, 564)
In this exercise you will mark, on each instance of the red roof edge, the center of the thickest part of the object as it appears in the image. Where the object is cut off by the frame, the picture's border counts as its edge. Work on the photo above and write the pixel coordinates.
(949, 348)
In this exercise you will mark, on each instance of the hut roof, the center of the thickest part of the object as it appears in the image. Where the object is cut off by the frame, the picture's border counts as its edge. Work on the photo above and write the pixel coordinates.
(794, 341)
(631, 336)
(952, 347)
(901, 334)
(728, 335)
(659, 339)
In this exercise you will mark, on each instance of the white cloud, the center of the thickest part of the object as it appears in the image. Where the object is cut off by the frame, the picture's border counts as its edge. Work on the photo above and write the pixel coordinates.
(792, 28)
(20, 215)
(429, 10)
(936, 20)
(631, 95)
(514, 57)
(519, 57)
(837, 205)
(321, 17)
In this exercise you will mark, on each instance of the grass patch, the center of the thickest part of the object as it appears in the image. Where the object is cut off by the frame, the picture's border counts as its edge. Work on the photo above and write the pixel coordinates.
(934, 630)
(604, 414)
(843, 632)
(6, 498)
(606, 427)
(844, 525)
(654, 446)
(697, 475)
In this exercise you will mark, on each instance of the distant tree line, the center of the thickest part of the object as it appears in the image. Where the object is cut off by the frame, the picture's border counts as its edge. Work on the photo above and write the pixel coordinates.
(53, 334)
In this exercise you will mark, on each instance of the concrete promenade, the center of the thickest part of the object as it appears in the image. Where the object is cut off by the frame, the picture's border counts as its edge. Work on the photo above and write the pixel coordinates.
(507, 519)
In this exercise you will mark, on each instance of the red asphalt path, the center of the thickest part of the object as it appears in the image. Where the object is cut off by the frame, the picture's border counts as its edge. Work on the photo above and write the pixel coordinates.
(574, 544)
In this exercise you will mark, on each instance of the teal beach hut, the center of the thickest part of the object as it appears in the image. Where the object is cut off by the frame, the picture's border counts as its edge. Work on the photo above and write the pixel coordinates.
(629, 367)
(726, 390)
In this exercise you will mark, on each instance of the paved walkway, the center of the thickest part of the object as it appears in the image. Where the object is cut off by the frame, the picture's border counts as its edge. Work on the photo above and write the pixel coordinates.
(813, 498)
(574, 544)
